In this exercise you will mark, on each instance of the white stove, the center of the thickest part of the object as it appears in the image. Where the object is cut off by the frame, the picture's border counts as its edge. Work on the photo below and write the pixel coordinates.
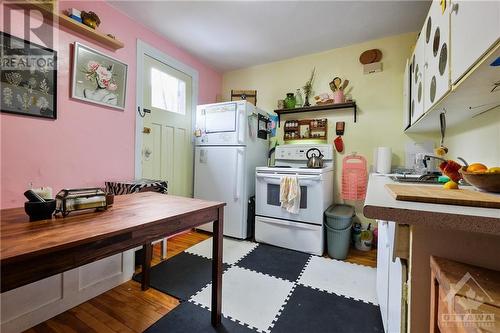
(274, 225)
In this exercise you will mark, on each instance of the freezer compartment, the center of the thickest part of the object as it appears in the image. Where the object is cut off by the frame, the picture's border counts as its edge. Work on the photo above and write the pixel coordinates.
(290, 234)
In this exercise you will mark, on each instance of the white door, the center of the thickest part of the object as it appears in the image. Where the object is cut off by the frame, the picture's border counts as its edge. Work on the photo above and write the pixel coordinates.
(417, 85)
(167, 150)
(437, 43)
(219, 176)
(475, 27)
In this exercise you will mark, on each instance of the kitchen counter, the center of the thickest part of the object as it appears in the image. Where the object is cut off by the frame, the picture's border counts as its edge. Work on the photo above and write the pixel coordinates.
(381, 205)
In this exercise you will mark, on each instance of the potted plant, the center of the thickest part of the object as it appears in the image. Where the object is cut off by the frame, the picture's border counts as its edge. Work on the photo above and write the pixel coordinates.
(308, 88)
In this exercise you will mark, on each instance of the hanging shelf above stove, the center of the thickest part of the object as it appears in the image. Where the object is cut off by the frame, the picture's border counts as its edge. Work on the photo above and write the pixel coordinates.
(349, 105)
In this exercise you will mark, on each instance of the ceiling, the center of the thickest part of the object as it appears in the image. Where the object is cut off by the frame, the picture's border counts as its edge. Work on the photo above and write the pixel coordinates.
(229, 35)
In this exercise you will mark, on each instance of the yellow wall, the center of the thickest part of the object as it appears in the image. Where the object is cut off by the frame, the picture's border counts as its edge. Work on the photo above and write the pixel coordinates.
(378, 96)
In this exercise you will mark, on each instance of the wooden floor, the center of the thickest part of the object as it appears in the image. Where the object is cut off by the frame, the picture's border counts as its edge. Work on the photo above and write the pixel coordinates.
(128, 309)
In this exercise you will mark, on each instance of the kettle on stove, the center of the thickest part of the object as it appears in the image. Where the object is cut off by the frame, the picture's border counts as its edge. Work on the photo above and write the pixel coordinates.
(314, 160)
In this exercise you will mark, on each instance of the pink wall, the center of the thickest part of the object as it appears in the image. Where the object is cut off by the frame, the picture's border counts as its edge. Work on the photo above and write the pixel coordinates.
(87, 144)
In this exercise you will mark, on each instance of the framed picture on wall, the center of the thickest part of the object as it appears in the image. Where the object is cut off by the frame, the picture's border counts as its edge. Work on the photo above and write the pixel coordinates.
(28, 78)
(98, 78)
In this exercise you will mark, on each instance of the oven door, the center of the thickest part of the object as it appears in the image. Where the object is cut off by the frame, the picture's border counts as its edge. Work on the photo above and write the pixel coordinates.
(312, 190)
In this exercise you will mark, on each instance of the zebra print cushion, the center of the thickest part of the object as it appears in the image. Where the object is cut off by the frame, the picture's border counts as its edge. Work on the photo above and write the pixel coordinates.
(140, 185)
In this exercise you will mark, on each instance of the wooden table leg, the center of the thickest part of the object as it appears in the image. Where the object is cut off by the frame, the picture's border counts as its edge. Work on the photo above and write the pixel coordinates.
(147, 250)
(218, 227)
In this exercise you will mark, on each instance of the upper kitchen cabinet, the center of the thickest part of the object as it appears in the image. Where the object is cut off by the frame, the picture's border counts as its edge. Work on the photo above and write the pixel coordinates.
(454, 67)
(436, 54)
(475, 27)
(417, 80)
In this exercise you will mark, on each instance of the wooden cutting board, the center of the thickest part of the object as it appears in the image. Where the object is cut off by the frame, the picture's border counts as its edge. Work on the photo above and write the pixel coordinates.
(439, 195)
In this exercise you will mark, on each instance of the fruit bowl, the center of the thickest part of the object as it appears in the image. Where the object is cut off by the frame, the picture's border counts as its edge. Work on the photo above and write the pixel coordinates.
(484, 181)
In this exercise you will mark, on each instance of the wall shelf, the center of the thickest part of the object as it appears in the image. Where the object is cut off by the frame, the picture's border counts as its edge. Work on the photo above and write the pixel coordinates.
(80, 28)
(349, 105)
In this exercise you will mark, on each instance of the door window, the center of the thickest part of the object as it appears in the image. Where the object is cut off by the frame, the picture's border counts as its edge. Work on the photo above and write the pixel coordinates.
(273, 196)
(167, 92)
(220, 118)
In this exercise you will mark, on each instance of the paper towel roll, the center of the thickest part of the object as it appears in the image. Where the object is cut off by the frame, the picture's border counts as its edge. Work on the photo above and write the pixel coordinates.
(384, 159)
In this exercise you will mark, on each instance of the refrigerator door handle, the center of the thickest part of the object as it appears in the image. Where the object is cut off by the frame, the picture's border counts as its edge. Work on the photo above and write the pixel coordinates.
(241, 125)
(236, 191)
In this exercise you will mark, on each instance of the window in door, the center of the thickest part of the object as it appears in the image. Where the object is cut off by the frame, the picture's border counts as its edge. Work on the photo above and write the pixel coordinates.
(167, 92)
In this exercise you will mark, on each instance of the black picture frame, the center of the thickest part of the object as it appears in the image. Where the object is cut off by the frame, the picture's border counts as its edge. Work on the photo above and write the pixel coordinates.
(28, 78)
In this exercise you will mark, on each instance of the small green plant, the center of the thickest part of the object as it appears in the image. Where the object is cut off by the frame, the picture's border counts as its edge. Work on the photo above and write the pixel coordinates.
(308, 87)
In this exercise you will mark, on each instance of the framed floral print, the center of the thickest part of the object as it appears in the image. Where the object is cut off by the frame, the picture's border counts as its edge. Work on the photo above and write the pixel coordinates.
(28, 78)
(98, 78)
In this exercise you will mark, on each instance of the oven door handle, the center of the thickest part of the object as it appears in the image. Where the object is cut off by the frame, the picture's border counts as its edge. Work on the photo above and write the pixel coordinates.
(276, 179)
(268, 176)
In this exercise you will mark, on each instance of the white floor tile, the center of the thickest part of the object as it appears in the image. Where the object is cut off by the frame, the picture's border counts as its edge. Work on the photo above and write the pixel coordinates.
(341, 278)
(251, 298)
(232, 250)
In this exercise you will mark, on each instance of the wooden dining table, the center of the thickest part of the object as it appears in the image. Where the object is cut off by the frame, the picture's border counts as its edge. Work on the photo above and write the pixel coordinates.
(31, 251)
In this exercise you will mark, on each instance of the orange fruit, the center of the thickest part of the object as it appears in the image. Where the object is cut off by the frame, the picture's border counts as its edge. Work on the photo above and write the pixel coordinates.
(477, 167)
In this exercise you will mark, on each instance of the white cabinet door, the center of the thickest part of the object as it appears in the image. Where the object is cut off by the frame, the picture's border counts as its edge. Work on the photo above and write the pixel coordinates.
(383, 259)
(475, 27)
(437, 41)
(417, 84)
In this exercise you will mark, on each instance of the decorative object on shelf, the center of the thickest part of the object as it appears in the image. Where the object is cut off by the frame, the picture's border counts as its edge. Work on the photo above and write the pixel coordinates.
(248, 95)
(69, 200)
(290, 101)
(308, 88)
(98, 78)
(338, 87)
(28, 78)
(281, 104)
(324, 99)
(90, 19)
(306, 129)
(299, 102)
(75, 14)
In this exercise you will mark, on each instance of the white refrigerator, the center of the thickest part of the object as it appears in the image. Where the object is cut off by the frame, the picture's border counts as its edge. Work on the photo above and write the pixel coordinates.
(230, 142)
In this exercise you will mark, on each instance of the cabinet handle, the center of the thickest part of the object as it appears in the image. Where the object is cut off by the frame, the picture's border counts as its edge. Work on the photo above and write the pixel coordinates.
(454, 8)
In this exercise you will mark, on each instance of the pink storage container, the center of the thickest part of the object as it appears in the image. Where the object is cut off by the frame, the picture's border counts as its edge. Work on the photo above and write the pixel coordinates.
(354, 177)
